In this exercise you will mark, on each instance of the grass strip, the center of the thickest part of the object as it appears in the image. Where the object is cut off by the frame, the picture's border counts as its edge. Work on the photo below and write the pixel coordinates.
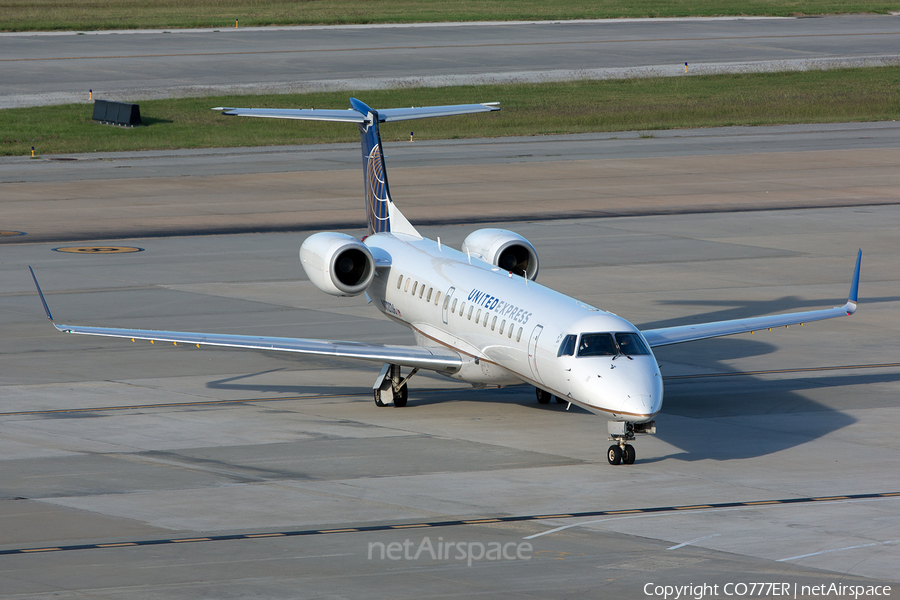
(32, 15)
(528, 109)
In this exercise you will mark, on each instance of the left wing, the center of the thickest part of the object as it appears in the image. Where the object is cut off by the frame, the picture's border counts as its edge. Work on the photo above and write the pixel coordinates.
(434, 359)
(701, 331)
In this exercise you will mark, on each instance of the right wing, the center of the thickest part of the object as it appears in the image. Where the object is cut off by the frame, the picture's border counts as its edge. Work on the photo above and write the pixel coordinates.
(434, 359)
(701, 331)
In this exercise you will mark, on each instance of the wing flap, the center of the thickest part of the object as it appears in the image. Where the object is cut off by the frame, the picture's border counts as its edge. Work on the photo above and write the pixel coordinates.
(701, 331)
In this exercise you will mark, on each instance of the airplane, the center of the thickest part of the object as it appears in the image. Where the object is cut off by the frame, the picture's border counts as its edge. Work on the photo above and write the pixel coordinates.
(477, 314)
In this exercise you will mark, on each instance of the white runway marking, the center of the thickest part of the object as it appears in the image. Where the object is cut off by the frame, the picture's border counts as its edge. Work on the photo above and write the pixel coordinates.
(839, 550)
(693, 541)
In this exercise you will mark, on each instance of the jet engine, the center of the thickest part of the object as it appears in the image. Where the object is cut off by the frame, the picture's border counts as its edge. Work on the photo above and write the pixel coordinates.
(337, 264)
(504, 249)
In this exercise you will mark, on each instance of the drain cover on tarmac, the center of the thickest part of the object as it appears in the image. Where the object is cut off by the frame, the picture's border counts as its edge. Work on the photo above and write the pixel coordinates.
(99, 249)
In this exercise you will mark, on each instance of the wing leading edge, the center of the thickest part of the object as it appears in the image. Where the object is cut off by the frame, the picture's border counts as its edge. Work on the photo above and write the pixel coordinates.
(701, 331)
(434, 359)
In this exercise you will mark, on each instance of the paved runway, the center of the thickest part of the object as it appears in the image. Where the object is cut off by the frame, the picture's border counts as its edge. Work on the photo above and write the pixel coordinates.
(282, 478)
(60, 68)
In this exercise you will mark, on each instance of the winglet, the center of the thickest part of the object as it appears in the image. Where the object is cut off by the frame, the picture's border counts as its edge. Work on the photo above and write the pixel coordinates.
(853, 298)
(41, 294)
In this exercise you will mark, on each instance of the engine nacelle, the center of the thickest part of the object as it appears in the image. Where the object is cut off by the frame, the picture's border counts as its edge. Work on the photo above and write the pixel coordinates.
(504, 249)
(337, 264)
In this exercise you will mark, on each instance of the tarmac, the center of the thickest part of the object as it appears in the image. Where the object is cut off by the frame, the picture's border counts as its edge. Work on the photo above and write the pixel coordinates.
(147, 471)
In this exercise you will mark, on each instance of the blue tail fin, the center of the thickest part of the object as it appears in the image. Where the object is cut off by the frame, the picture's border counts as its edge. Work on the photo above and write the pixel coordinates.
(378, 194)
(382, 215)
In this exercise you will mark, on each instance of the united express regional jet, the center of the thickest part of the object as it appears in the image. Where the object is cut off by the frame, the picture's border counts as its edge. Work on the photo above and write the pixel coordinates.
(477, 313)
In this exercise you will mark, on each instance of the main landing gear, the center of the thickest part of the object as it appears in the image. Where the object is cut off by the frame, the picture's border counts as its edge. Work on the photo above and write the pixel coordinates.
(544, 397)
(622, 432)
(390, 387)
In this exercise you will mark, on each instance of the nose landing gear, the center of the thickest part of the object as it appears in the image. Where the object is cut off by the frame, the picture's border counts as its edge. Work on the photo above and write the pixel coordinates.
(623, 454)
(622, 432)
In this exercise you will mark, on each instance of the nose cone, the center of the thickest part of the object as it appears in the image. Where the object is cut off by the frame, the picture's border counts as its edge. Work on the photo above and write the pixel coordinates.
(644, 405)
(626, 389)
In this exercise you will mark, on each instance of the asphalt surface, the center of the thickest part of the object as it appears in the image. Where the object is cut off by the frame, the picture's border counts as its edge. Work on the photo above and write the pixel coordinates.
(129, 66)
(308, 188)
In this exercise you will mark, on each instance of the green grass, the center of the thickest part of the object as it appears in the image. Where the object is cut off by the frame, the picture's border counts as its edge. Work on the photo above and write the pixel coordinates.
(30, 15)
(528, 109)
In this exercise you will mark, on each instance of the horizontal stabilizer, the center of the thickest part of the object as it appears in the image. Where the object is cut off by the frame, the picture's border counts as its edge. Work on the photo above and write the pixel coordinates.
(307, 114)
(351, 115)
(404, 114)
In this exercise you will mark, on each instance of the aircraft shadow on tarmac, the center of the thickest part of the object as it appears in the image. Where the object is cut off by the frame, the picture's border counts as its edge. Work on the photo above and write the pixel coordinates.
(776, 409)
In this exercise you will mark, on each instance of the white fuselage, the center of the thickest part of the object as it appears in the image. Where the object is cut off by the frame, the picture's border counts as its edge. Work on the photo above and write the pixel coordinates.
(508, 329)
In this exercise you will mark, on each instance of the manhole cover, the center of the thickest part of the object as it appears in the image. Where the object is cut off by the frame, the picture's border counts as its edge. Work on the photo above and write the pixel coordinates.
(99, 249)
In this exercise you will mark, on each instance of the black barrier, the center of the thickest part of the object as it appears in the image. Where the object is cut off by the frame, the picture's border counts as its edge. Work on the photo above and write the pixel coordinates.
(117, 113)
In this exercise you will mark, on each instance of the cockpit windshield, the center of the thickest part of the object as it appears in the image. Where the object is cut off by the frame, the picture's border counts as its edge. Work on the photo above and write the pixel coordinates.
(631, 344)
(608, 344)
(597, 344)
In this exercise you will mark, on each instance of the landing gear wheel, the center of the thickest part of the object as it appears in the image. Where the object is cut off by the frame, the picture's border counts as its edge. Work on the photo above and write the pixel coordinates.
(614, 455)
(542, 396)
(628, 454)
(400, 399)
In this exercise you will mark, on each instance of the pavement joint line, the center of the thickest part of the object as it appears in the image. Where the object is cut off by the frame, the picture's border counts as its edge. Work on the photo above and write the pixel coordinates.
(50, 411)
(433, 524)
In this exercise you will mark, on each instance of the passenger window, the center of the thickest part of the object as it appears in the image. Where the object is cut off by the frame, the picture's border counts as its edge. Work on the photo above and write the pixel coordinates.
(494, 322)
(446, 302)
(486, 315)
(567, 348)
(399, 281)
(471, 308)
(415, 285)
(462, 307)
(436, 298)
(502, 325)
(596, 344)
(453, 308)
(422, 290)
(406, 287)
(478, 316)
(511, 327)
(428, 299)
(519, 335)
